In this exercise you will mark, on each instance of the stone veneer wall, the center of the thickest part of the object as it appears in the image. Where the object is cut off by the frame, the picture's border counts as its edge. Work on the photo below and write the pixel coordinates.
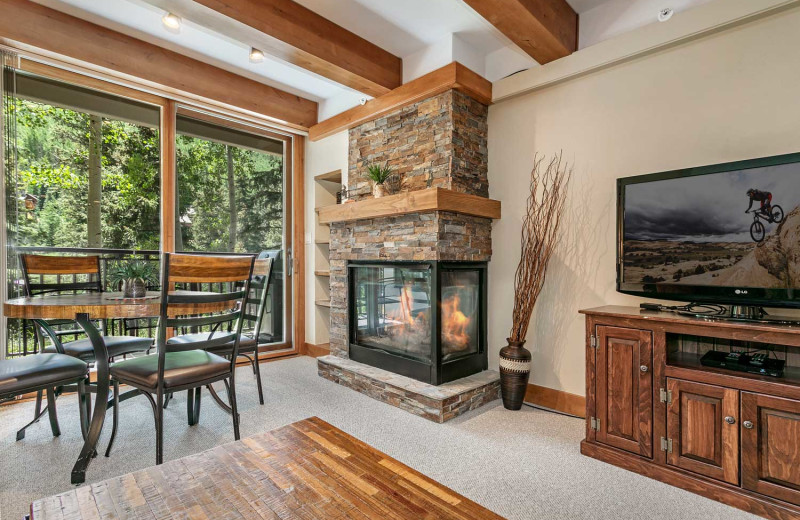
(443, 136)
(424, 236)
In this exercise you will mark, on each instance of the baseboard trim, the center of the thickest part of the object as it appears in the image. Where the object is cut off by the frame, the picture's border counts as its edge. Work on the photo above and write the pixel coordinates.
(558, 400)
(315, 351)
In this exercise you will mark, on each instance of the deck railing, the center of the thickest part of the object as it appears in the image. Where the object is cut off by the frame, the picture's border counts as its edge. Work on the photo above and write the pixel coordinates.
(21, 338)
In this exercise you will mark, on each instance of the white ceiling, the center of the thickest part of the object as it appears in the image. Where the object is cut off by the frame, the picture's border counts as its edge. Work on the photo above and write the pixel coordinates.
(414, 30)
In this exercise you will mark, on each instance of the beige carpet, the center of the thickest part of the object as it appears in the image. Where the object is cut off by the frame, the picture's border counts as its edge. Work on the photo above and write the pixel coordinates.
(522, 465)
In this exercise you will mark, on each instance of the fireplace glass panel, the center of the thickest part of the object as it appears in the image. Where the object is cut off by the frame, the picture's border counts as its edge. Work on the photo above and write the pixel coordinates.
(393, 309)
(460, 312)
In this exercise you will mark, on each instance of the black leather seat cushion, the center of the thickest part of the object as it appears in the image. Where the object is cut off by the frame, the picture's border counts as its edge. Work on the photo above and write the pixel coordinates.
(246, 343)
(180, 368)
(116, 345)
(19, 375)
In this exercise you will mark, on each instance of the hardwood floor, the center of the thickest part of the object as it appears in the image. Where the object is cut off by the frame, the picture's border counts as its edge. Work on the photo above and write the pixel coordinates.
(308, 469)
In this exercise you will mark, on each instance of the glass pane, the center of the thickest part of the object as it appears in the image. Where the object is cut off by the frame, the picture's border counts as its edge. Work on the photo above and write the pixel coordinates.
(393, 310)
(460, 313)
(86, 177)
(231, 198)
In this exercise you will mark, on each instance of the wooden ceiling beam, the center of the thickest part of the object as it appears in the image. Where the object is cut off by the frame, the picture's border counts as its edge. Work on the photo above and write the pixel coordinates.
(545, 29)
(453, 76)
(28, 25)
(291, 32)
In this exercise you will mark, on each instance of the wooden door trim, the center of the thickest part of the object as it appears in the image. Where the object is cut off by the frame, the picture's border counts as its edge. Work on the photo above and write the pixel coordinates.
(728, 470)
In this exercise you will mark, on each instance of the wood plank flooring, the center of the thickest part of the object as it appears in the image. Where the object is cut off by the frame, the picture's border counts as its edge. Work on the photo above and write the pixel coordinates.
(306, 470)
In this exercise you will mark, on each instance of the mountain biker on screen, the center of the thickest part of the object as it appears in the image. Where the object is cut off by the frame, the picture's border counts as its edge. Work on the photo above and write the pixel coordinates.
(764, 197)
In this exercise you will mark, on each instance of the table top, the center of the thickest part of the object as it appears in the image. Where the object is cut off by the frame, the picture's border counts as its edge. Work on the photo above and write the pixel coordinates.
(99, 306)
(309, 469)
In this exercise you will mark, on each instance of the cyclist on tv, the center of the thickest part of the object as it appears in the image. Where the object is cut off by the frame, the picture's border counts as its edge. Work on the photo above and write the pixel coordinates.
(764, 197)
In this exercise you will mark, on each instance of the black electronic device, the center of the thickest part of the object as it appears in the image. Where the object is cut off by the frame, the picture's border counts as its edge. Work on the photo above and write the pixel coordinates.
(760, 363)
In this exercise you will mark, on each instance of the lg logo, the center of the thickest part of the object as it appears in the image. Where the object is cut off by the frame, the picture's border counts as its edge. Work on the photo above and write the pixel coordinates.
(740, 291)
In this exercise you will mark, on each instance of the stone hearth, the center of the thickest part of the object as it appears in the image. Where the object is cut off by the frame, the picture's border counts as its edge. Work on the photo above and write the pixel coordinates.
(435, 403)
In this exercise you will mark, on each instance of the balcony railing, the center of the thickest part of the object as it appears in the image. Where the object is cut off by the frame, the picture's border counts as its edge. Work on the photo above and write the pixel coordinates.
(21, 338)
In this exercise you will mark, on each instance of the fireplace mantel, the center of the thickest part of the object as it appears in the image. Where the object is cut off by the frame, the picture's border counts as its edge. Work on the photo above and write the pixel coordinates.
(419, 201)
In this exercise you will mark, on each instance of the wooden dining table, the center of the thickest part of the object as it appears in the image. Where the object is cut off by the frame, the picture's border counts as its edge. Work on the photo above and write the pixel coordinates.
(83, 308)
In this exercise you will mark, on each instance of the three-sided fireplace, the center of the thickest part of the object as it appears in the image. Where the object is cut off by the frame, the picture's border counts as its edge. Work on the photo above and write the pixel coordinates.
(424, 320)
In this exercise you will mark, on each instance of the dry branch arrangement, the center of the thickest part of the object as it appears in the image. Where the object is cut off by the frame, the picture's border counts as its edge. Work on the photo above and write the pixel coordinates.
(540, 237)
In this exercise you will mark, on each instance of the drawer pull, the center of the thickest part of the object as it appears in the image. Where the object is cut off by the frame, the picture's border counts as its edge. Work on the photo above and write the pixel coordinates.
(730, 420)
(748, 425)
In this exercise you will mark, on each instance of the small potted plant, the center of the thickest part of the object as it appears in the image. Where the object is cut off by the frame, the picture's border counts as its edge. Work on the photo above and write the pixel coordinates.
(379, 174)
(134, 275)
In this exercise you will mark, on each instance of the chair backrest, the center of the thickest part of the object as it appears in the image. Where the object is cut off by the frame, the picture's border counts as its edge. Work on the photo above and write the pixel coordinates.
(257, 297)
(49, 271)
(181, 308)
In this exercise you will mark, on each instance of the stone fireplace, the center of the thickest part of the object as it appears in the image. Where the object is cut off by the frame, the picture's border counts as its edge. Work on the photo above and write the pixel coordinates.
(408, 272)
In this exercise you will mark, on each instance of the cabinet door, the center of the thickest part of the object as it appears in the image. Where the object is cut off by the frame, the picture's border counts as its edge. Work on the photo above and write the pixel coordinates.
(702, 422)
(771, 446)
(624, 370)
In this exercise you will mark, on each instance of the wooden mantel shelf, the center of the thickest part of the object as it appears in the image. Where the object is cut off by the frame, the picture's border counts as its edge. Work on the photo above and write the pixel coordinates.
(419, 201)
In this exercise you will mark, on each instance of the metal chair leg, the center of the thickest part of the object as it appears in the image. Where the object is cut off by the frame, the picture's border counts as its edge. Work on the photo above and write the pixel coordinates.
(115, 416)
(37, 414)
(193, 405)
(167, 399)
(51, 412)
(159, 427)
(82, 410)
(257, 371)
(234, 409)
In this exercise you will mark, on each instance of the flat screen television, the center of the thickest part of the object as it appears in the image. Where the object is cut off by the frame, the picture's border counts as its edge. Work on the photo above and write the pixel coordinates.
(727, 234)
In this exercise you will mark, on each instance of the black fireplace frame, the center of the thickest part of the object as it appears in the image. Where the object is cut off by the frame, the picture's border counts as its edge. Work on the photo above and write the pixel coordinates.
(437, 371)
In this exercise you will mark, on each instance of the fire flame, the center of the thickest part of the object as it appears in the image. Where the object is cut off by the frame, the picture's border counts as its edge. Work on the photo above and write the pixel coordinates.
(454, 324)
(411, 324)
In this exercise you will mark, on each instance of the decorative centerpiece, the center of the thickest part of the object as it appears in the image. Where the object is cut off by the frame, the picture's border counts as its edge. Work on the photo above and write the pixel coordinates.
(540, 236)
(133, 275)
(379, 174)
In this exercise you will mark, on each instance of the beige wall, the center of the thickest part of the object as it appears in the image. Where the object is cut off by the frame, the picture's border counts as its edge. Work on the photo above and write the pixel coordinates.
(730, 96)
(322, 156)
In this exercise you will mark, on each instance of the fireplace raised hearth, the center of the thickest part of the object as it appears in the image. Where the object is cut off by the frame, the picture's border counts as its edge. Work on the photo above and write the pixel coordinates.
(424, 320)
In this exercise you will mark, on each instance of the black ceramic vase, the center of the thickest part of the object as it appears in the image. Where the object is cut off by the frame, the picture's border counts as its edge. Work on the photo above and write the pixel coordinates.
(515, 370)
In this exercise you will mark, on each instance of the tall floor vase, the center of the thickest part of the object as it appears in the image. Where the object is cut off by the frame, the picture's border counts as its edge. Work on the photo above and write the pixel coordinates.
(515, 370)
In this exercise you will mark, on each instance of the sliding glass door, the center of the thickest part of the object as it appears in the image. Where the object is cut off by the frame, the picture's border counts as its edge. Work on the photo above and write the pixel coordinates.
(85, 179)
(231, 198)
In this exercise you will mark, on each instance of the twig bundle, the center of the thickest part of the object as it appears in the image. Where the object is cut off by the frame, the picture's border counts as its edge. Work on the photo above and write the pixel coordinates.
(540, 237)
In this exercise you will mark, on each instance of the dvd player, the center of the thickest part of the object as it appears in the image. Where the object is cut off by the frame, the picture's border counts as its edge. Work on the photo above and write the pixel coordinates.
(751, 363)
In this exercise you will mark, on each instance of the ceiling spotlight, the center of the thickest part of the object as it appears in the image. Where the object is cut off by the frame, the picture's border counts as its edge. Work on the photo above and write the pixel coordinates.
(665, 14)
(256, 56)
(171, 21)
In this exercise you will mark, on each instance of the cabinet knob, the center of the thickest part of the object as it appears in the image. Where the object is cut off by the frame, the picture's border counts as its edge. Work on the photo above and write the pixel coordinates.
(730, 420)
(643, 368)
(748, 425)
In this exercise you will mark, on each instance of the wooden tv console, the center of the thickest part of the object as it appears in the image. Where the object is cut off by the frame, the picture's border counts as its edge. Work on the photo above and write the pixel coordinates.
(652, 408)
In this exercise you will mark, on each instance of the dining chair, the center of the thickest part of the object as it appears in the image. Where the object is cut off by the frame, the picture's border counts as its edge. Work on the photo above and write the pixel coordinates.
(44, 274)
(189, 366)
(249, 340)
(45, 372)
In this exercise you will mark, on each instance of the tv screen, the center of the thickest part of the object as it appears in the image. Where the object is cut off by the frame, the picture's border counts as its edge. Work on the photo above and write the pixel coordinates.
(728, 233)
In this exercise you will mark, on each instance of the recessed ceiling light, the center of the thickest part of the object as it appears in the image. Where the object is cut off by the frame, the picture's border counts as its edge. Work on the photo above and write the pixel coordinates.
(256, 56)
(171, 21)
(665, 14)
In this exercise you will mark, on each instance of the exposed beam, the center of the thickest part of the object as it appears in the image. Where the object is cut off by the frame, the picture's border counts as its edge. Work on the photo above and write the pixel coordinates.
(28, 25)
(452, 76)
(291, 32)
(545, 29)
